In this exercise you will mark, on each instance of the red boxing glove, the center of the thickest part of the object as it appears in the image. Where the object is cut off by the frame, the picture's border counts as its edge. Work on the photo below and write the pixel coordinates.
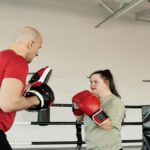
(91, 106)
(75, 105)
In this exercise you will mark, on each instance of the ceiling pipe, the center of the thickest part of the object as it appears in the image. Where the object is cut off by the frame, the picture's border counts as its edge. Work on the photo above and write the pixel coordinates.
(103, 3)
(121, 11)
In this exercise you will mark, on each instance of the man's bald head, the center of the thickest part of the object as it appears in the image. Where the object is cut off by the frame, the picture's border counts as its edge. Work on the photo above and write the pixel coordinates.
(26, 42)
(26, 33)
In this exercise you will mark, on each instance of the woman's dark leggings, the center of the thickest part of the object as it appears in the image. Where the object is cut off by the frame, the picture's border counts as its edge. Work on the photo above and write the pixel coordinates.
(4, 144)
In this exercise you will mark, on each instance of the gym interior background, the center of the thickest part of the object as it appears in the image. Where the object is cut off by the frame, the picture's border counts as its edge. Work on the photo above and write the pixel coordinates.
(74, 47)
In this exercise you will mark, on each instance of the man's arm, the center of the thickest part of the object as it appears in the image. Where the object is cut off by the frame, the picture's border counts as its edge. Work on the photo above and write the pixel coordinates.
(11, 98)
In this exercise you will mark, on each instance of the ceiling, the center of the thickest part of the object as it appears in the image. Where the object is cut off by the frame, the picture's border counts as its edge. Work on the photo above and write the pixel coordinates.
(139, 8)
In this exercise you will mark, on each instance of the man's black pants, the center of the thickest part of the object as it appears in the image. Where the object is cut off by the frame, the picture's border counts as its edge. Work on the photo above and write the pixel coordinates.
(4, 144)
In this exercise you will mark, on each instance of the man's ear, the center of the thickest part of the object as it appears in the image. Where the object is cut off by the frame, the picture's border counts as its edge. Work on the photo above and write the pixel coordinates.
(30, 44)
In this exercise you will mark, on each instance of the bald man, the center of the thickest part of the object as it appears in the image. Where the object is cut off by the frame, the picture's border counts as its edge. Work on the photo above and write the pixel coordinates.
(13, 72)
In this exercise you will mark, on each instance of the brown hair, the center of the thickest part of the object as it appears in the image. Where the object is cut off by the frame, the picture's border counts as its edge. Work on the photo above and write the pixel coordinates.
(107, 75)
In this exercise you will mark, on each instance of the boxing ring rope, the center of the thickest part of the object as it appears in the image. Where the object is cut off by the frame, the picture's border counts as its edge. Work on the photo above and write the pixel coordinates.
(74, 123)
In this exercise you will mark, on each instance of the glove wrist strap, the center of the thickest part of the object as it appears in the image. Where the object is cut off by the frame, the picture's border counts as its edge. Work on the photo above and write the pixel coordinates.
(100, 117)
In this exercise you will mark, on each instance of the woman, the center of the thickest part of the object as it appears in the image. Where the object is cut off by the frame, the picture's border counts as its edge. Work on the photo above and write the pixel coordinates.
(102, 134)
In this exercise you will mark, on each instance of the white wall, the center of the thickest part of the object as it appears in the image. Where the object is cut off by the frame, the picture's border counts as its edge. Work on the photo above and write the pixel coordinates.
(74, 49)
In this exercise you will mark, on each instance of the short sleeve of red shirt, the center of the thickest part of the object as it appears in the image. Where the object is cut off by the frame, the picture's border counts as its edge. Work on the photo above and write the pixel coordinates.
(17, 68)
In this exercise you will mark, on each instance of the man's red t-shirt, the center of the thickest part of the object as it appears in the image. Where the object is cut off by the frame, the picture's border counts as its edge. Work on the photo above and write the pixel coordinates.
(11, 66)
